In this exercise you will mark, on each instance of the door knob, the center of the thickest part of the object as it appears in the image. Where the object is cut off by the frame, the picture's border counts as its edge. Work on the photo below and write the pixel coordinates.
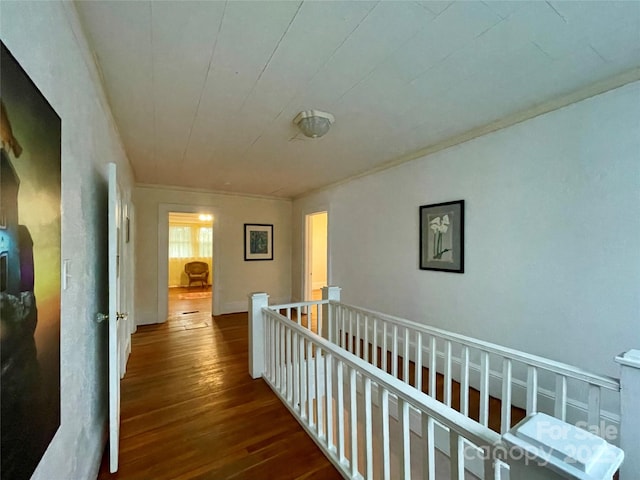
(101, 317)
(121, 315)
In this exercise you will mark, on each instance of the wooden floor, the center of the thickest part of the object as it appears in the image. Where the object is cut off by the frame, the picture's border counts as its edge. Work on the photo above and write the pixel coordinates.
(190, 410)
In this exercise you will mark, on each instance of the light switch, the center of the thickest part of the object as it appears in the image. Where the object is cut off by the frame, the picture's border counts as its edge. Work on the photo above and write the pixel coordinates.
(66, 273)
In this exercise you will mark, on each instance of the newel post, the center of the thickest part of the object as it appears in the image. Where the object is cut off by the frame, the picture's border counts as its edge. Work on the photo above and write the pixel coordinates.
(257, 301)
(328, 293)
(630, 413)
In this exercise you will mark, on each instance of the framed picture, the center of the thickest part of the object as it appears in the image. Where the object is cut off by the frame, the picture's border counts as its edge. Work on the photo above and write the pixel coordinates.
(442, 237)
(258, 241)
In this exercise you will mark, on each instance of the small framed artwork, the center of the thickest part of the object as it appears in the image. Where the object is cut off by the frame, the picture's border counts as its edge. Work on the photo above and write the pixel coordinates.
(442, 237)
(258, 241)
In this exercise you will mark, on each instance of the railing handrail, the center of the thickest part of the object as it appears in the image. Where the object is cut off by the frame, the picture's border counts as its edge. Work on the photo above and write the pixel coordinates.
(309, 303)
(561, 368)
(465, 427)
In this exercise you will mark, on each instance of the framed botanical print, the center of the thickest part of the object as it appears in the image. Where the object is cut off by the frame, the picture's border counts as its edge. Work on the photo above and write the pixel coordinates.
(442, 237)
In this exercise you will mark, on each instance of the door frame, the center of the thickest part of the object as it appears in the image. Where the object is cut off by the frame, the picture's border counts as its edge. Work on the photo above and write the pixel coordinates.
(127, 272)
(163, 255)
(306, 249)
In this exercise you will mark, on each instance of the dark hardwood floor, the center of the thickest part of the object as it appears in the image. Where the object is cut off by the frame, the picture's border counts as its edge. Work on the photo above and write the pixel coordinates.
(191, 411)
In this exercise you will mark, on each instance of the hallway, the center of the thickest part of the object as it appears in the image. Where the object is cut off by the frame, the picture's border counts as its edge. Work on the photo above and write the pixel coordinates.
(190, 410)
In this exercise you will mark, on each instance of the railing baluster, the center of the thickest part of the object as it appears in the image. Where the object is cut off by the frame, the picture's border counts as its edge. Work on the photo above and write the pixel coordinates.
(277, 363)
(310, 386)
(353, 427)
(328, 383)
(366, 338)
(368, 429)
(358, 335)
(505, 418)
(405, 359)
(283, 363)
(374, 349)
(532, 389)
(428, 436)
(447, 373)
(384, 346)
(455, 457)
(289, 366)
(394, 352)
(351, 333)
(418, 365)
(340, 408)
(405, 429)
(272, 356)
(267, 344)
(433, 366)
(304, 393)
(560, 405)
(484, 388)
(343, 333)
(319, 321)
(331, 315)
(318, 391)
(296, 372)
(593, 412)
(464, 381)
(384, 417)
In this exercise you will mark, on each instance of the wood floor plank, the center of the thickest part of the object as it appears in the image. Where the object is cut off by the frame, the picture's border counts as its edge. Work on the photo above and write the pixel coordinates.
(190, 410)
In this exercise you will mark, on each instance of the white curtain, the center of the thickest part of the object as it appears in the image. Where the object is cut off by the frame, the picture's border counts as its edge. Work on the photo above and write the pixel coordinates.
(188, 243)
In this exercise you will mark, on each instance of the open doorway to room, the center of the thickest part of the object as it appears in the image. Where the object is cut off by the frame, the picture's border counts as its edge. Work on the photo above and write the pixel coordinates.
(316, 275)
(190, 269)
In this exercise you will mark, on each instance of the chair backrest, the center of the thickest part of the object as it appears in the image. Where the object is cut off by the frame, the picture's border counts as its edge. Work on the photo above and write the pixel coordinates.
(196, 267)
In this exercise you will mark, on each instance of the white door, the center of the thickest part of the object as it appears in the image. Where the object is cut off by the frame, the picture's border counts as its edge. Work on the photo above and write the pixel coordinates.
(114, 318)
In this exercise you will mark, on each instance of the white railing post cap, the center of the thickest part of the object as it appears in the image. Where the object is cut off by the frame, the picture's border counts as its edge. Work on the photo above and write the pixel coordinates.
(258, 294)
(630, 358)
(563, 450)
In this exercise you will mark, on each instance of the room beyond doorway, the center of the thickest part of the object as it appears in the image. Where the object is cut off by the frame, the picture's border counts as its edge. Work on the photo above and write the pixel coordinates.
(190, 266)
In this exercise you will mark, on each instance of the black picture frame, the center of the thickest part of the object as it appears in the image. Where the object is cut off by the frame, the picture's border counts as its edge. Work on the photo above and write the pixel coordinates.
(442, 237)
(258, 242)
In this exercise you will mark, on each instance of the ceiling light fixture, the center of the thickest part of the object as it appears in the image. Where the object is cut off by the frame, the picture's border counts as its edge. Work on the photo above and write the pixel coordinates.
(314, 123)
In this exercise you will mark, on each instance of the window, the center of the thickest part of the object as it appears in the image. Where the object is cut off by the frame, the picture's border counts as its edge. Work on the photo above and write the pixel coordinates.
(180, 242)
(190, 242)
(205, 240)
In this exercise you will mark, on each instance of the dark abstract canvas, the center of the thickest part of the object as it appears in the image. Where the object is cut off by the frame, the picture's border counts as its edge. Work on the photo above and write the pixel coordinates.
(30, 179)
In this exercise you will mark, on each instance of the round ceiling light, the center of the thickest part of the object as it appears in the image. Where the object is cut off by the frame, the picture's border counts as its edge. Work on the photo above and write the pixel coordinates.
(314, 123)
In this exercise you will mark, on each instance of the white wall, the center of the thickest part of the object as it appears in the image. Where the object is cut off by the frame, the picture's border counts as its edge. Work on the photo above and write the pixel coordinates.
(552, 250)
(46, 39)
(234, 278)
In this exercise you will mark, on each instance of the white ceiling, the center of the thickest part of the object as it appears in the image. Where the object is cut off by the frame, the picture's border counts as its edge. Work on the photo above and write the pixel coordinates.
(204, 93)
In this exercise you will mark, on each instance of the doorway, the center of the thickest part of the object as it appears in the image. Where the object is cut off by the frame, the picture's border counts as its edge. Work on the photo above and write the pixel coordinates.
(190, 269)
(316, 256)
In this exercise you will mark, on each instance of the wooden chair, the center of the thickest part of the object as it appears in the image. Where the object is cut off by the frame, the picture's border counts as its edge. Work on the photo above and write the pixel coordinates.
(197, 272)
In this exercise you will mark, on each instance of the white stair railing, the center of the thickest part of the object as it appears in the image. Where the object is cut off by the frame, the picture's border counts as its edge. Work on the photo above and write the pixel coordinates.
(347, 406)
(525, 381)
